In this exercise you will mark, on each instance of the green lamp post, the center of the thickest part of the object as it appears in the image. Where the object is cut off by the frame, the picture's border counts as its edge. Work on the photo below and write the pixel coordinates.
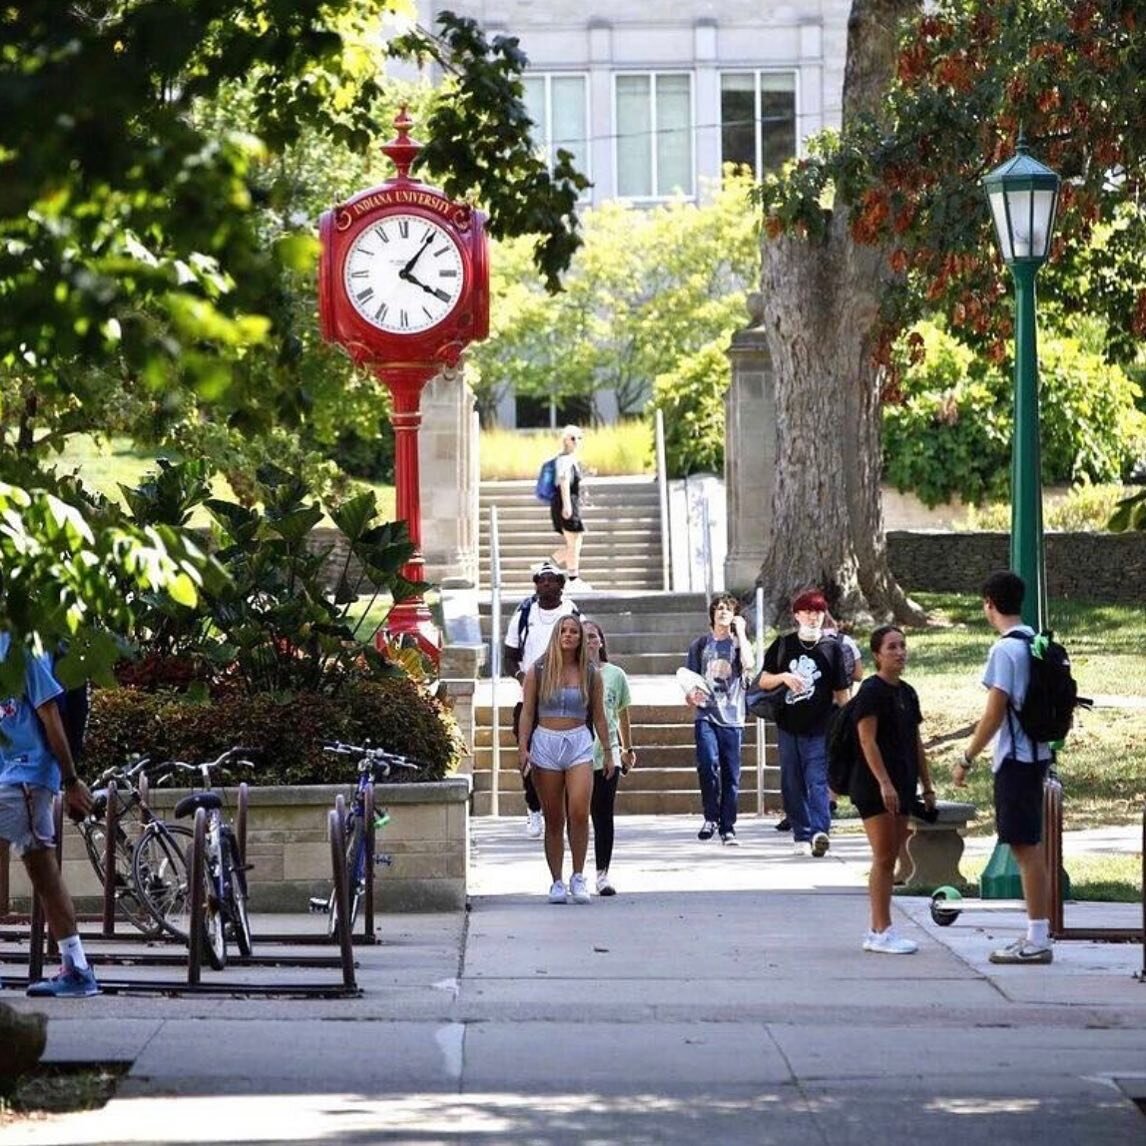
(1023, 197)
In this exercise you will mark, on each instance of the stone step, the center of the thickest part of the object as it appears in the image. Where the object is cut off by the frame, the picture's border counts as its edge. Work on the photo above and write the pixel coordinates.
(647, 737)
(657, 603)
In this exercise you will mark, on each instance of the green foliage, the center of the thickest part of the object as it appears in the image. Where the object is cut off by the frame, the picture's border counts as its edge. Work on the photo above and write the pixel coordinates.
(949, 433)
(621, 448)
(289, 732)
(275, 623)
(99, 568)
(1085, 508)
(649, 288)
(1129, 514)
(691, 397)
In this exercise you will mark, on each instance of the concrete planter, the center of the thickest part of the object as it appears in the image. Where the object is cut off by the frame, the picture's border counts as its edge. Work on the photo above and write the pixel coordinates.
(288, 844)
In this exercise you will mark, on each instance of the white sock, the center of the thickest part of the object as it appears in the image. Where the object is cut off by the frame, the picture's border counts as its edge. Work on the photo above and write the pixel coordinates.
(72, 953)
(1038, 932)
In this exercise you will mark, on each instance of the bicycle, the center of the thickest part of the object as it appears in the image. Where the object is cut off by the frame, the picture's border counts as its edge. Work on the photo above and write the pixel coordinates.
(224, 873)
(134, 817)
(373, 764)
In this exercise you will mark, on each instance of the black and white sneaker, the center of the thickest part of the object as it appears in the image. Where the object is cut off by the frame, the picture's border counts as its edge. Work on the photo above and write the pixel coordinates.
(707, 831)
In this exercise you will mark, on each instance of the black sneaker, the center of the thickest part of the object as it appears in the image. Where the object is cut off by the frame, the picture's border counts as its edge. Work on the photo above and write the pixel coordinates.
(785, 825)
(707, 831)
(729, 839)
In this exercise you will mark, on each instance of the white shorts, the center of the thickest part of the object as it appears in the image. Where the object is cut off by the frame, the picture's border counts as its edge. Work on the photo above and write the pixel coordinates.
(27, 821)
(558, 751)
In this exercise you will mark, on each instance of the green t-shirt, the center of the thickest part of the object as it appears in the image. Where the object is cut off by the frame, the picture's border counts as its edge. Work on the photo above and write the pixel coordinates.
(616, 686)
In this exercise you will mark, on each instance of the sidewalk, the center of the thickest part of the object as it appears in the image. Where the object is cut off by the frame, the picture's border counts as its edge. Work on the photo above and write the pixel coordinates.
(722, 995)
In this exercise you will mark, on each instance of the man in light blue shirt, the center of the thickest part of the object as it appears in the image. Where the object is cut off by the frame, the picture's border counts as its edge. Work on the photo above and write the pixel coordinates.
(35, 762)
(1019, 764)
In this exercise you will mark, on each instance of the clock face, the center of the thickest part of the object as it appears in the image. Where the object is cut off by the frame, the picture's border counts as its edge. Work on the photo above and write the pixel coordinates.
(404, 274)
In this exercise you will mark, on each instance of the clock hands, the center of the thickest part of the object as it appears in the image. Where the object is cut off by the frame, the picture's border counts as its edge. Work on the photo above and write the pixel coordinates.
(437, 292)
(417, 255)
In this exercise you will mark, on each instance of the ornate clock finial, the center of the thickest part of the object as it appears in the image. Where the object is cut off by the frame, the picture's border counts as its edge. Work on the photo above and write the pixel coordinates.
(403, 150)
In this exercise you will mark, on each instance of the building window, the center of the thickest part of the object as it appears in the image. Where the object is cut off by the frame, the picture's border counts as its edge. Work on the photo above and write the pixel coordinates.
(654, 135)
(758, 119)
(558, 105)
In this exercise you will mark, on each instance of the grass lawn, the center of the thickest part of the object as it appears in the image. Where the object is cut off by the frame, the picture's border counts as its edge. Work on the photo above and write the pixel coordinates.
(1103, 764)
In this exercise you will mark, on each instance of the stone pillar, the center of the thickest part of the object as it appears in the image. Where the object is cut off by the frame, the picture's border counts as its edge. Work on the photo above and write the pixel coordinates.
(749, 451)
(448, 459)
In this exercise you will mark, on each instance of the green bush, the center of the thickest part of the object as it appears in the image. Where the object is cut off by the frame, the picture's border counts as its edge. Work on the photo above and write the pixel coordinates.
(951, 433)
(288, 730)
(1084, 509)
(691, 398)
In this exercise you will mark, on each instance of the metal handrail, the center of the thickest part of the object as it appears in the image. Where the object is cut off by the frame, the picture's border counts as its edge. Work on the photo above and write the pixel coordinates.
(494, 660)
(662, 492)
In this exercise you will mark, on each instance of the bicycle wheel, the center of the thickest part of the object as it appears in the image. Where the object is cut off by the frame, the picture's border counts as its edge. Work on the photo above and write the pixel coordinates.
(214, 936)
(355, 880)
(237, 904)
(127, 903)
(161, 876)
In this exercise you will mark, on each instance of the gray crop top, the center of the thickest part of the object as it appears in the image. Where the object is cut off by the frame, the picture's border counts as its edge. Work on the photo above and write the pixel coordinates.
(565, 702)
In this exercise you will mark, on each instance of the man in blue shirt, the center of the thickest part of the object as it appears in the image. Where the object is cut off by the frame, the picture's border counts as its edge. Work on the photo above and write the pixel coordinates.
(35, 762)
(1020, 765)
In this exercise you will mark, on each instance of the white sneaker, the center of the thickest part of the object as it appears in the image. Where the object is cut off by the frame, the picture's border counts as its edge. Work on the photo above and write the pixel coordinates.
(604, 887)
(801, 848)
(1022, 951)
(580, 585)
(578, 889)
(557, 892)
(889, 943)
(820, 844)
(533, 825)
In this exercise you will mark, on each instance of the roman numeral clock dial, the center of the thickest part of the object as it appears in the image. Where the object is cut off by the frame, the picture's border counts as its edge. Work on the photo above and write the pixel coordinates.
(404, 274)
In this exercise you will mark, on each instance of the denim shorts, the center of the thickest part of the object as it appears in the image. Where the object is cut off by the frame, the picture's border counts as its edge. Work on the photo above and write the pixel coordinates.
(556, 751)
(27, 821)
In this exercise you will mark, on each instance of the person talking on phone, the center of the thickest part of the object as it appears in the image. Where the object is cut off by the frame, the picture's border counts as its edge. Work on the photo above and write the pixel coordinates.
(723, 657)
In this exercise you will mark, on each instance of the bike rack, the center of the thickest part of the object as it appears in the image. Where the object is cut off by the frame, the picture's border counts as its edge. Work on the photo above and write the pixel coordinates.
(371, 840)
(1052, 843)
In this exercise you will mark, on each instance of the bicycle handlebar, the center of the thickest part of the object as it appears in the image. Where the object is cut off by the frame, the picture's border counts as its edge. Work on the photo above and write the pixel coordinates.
(207, 767)
(371, 758)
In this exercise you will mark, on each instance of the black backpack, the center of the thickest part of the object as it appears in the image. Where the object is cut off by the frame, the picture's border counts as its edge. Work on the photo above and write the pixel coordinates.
(842, 747)
(1047, 711)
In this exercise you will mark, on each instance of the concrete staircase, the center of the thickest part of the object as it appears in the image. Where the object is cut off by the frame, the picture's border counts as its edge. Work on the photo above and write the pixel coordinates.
(664, 780)
(622, 550)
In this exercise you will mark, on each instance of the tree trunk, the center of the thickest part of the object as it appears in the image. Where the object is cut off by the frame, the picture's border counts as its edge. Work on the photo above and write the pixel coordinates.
(821, 302)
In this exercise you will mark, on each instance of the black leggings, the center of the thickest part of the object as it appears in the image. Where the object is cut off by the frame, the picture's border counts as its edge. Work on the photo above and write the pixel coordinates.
(601, 809)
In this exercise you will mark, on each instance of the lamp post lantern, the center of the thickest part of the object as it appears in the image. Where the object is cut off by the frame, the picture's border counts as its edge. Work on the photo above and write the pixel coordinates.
(1023, 197)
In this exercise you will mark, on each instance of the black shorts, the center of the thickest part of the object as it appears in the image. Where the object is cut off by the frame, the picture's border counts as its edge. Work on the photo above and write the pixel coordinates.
(1019, 801)
(865, 795)
(570, 524)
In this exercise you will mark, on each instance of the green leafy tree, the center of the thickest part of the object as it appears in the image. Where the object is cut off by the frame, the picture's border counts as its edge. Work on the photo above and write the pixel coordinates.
(647, 291)
(139, 274)
(885, 223)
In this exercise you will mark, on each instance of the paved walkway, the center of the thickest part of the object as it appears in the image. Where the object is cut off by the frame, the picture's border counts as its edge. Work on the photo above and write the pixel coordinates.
(721, 996)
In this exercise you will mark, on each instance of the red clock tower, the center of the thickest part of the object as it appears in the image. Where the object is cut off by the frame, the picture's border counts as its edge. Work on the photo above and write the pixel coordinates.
(403, 285)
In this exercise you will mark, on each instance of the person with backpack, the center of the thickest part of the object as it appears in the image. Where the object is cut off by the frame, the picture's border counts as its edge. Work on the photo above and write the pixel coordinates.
(530, 627)
(723, 657)
(810, 665)
(565, 505)
(1019, 761)
(889, 765)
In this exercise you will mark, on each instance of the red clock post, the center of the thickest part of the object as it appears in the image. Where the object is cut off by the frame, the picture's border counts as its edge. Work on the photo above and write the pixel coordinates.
(403, 286)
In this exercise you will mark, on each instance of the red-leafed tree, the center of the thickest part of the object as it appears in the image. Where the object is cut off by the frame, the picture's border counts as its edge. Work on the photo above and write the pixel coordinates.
(887, 222)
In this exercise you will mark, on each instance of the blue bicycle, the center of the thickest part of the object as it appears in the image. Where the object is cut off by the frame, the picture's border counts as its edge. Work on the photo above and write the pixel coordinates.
(373, 764)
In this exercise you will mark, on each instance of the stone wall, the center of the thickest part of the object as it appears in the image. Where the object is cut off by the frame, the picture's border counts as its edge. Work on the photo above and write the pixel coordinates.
(1106, 567)
(288, 843)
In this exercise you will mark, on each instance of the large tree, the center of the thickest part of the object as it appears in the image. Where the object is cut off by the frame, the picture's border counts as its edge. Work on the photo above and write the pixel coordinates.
(134, 256)
(887, 222)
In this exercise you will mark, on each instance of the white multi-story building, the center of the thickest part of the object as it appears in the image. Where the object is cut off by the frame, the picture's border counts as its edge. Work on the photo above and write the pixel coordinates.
(652, 98)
